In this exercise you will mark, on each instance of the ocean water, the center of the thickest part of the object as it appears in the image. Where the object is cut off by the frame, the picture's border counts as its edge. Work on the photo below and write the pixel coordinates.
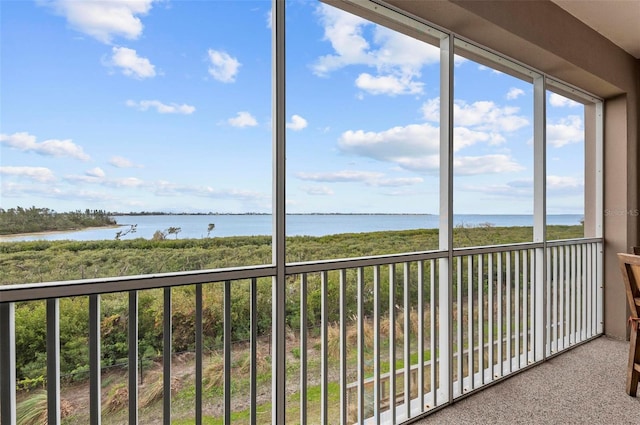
(195, 226)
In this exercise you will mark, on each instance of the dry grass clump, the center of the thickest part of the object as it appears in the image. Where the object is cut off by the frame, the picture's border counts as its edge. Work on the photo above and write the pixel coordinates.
(214, 372)
(117, 399)
(33, 410)
(153, 389)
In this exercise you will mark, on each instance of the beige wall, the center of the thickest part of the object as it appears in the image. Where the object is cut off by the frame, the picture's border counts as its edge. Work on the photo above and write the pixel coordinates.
(542, 35)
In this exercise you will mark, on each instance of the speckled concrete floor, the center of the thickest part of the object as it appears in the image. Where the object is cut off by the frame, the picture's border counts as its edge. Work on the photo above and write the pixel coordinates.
(585, 385)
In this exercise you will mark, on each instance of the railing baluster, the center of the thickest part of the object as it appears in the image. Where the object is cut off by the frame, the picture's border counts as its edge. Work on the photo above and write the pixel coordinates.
(579, 292)
(227, 352)
(324, 403)
(167, 348)
(392, 343)
(572, 339)
(133, 357)
(518, 330)
(600, 289)
(199, 353)
(420, 344)
(8, 363)
(534, 300)
(470, 327)
(95, 372)
(509, 314)
(407, 343)
(53, 361)
(549, 304)
(254, 350)
(525, 306)
(490, 329)
(584, 292)
(592, 287)
(562, 301)
(432, 324)
(556, 323)
(343, 348)
(303, 349)
(376, 344)
(360, 315)
(481, 319)
(459, 325)
(500, 320)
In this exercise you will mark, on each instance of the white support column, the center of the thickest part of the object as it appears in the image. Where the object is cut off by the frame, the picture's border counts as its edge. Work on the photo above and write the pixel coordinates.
(445, 341)
(599, 215)
(278, 363)
(539, 213)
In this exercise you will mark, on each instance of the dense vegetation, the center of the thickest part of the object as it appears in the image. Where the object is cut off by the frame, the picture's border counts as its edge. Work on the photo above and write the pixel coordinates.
(30, 220)
(41, 261)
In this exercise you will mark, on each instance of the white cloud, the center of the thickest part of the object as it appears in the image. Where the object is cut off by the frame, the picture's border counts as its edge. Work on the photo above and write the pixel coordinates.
(222, 66)
(431, 110)
(126, 182)
(131, 64)
(561, 101)
(344, 176)
(388, 84)
(556, 185)
(162, 108)
(95, 172)
(397, 58)
(165, 188)
(53, 147)
(565, 131)
(482, 115)
(514, 93)
(39, 174)
(397, 182)
(121, 162)
(370, 178)
(269, 19)
(416, 147)
(486, 164)
(317, 190)
(565, 184)
(104, 19)
(414, 140)
(243, 119)
(486, 115)
(297, 123)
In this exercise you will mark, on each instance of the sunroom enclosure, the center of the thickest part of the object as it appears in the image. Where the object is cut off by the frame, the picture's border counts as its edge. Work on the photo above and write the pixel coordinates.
(400, 334)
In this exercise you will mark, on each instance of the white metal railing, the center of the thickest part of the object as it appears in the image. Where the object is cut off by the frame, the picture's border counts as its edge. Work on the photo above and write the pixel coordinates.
(380, 318)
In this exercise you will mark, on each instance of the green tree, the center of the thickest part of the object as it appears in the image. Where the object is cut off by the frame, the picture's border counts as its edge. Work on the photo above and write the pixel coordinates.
(174, 231)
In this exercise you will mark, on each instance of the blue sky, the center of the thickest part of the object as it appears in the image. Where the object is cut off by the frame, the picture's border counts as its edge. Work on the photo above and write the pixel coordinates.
(148, 105)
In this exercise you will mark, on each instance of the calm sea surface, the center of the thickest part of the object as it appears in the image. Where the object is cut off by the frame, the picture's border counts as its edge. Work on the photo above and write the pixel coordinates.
(195, 226)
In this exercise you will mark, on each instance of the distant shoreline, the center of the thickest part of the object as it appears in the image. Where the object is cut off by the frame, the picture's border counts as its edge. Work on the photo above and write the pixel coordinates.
(249, 213)
(57, 232)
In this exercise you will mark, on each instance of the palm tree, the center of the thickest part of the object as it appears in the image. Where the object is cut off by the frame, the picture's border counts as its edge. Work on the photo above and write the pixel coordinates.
(174, 231)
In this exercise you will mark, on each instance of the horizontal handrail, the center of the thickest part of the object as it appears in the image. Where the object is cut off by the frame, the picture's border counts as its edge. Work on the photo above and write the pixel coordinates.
(564, 242)
(374, 260)
(71, 288)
